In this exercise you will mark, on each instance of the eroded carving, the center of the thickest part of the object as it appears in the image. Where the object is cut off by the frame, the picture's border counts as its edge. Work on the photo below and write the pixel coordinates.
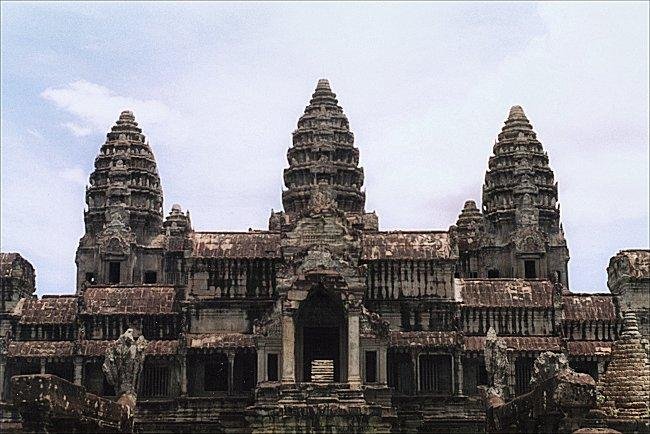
(123, 363)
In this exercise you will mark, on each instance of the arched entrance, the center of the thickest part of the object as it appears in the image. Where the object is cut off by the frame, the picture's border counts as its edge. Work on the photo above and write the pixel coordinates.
(321, 333)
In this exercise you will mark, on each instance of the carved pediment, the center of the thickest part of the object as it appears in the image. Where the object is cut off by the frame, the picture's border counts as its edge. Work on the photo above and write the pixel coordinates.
(269, 325)
(116, 238)
(372, 324)
(529, 240)
(318, 259)
(322, 200)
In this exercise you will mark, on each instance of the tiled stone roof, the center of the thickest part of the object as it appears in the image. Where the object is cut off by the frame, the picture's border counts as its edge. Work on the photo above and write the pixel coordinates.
(41, 349)
(220, 340)
(97, 348)
(407, 245)
(235, 245)
(429, 339)
(589, 348)
(134, 300)
(48, 310)
(517, 343)
(505, 293)
(589, 307)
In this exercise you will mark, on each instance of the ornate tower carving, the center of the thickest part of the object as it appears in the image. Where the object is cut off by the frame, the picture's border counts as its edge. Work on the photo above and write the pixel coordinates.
(124, 212)
(323, 152)
(125, 178)
(518, 233)
(468, 233)
(519, 188)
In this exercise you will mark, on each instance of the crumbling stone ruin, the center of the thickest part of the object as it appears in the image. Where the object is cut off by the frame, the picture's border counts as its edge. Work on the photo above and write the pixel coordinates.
(323, 322)
(50, 404)
(558, 402)
(625, 387)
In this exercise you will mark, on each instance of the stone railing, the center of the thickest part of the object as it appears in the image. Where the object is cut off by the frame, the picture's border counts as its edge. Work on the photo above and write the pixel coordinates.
(556, 405)
(49, 404)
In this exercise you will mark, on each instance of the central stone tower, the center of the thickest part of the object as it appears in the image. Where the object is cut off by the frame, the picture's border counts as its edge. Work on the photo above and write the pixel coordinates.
(323, 153)
(124, 214)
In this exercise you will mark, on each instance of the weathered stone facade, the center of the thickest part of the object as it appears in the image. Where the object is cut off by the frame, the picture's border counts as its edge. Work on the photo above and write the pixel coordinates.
(235, 320)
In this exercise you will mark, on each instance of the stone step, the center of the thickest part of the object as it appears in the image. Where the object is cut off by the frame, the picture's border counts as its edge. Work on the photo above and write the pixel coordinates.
(322, 371)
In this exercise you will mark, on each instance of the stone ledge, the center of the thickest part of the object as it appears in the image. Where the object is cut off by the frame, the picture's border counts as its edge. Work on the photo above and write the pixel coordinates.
(49, 402)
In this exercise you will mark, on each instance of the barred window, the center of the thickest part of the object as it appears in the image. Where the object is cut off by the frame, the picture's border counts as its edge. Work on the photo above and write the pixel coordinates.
(523, 372)
(155, 380)
(435, 373)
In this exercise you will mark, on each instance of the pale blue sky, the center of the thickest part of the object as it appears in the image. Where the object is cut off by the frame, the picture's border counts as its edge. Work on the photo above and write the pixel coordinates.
(218, 89)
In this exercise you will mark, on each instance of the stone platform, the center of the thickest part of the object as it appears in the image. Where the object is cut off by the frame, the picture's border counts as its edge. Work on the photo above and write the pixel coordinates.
(317, 408)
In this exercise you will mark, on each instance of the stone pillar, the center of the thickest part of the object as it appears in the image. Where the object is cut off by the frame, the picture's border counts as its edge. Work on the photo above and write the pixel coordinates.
(458, 362)
(78, 370)
(231, 369)
(415, 362)
(601, 369)
(183, 374)
(261, 365)
(3, 364)
(354, 379)
(288, 342)
(383, 363)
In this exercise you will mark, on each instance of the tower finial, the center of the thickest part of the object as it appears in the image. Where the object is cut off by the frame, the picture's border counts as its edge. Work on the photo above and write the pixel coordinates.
(516, 112)
(323, 84)
(324, 145)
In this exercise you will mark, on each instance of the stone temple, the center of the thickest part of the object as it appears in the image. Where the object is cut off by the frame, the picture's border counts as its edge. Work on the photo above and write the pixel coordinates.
(323, 322)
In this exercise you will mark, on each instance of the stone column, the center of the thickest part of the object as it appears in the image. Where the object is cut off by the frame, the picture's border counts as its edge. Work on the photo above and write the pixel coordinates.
(183, 374)
(415, 361)
(354, 379)
(261, 365)
(231, 369)
(458, 361)
(601, 369)
(3, 364)
(78, 370)
(288, 342)
(383, 363)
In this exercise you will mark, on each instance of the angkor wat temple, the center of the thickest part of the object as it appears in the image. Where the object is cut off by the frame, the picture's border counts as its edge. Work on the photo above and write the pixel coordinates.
(323, 322)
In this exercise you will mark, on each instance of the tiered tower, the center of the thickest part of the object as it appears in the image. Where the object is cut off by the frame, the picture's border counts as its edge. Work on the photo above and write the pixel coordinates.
(124, 213)
(323, 153)
(520, 234)
(519, 185)
(467, 233)
(626, 383)
(125, 177)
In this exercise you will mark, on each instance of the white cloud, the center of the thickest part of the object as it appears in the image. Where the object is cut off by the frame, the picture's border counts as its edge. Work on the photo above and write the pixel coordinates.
(74, 174)
(78, 130)
(35, 133)
(96, 107)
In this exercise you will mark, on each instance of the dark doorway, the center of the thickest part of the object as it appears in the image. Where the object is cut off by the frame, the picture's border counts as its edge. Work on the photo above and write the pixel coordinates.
(150, 277)
(371, 366)
(272, 367)
(113, 272)
(320, 343)
(585, 366)
(400, 372)
(530, 270)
